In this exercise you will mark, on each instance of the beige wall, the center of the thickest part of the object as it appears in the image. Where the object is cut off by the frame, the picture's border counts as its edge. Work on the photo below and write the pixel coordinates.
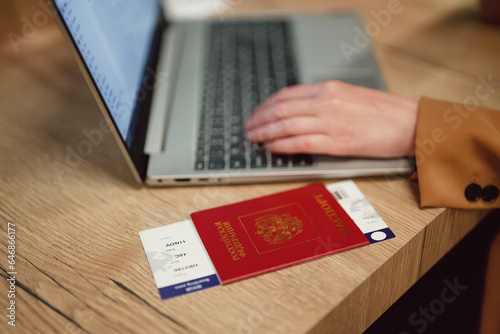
(18, 14)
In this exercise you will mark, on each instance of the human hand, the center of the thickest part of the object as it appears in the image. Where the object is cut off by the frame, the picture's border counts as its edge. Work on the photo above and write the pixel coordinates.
(335, 118)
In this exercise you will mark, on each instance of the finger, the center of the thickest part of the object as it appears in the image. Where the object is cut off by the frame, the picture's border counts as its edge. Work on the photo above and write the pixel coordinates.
(287, 109)
(316, 143)
(301, 91)
(286, 127)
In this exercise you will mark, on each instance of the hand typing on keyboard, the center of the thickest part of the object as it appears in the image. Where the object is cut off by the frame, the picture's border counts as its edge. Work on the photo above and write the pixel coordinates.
(245, 62)
(335, 118)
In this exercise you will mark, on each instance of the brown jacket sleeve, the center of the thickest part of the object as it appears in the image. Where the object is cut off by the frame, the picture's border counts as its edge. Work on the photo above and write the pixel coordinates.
(457, 153)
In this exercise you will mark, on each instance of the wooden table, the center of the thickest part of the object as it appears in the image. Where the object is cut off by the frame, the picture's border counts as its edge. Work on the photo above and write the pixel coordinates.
(79, 260)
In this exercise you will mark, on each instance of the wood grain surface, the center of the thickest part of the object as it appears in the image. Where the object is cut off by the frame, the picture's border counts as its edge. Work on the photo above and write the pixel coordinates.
(80, 264)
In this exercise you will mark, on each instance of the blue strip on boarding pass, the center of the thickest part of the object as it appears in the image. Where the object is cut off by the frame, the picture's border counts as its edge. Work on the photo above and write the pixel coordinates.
(380, 235)
(190, 286)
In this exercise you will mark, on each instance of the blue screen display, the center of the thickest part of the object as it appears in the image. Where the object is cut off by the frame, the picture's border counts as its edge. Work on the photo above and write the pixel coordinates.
(114, 38)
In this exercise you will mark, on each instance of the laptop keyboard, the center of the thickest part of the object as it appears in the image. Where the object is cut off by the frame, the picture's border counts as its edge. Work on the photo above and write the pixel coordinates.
(245, 62)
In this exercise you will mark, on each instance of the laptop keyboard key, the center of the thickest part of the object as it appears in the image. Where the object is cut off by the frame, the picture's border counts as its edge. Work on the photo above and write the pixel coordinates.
(200, 152)
(216, 163)
(237, 150)
(237, 162)
(280, 160)
(218, 122)
(200, 165)
(217, 153)
(217, 132)
(302, 160)
(256, 147)
(258, 159)
(217, 141)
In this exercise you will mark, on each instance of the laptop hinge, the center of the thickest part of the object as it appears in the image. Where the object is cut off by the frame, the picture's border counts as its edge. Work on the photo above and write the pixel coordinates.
(164, 88)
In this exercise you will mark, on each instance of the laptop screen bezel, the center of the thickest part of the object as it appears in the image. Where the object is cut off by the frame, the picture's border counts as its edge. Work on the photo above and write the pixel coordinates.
(133, 144)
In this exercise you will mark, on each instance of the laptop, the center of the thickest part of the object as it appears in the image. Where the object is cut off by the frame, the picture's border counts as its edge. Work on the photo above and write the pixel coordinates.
(178, 93)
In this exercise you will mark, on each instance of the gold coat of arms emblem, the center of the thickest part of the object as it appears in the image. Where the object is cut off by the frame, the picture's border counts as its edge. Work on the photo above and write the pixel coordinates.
(276, 229)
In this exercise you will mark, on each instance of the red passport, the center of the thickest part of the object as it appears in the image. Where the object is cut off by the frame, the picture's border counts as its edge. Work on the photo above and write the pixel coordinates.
(253, 237)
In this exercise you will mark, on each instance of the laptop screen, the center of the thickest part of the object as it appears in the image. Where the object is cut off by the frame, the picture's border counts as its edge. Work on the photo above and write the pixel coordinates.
(114, 40)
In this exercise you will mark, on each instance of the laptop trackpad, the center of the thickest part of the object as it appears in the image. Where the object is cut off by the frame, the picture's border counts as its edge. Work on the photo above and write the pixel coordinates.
(319, 44)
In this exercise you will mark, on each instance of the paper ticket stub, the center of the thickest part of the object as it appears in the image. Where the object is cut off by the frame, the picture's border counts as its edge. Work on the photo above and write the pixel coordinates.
(178, 259)
(360, 210)
(181, 263)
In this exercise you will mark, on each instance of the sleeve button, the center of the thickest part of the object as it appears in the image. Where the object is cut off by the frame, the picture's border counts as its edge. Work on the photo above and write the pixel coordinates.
(490, 193)
(473, 192)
